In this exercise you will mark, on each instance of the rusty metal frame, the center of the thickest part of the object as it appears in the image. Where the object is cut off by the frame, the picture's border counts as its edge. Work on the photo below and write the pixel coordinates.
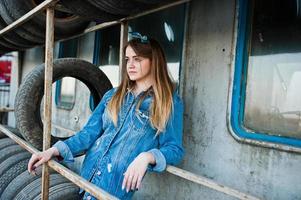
(75, 178)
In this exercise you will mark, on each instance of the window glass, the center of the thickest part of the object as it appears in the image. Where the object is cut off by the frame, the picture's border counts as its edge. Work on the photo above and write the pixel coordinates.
(67, 93)
(167, 27)
(107, 52)
(66, 87)
(273, 99)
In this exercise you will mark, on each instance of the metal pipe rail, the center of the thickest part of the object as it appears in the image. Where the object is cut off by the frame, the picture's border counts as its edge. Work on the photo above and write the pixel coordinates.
(75, 178)
(49, 42)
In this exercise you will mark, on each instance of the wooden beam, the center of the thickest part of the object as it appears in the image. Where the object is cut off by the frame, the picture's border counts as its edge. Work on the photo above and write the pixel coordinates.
(49, 45)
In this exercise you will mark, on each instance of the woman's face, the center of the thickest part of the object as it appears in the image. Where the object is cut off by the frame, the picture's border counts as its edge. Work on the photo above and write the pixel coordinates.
(138, 68)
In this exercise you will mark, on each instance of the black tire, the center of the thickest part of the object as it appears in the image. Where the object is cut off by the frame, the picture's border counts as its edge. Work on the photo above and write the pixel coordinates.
(5, 142)
(13, 38)
(31, 91)
(17, 184)
(34, 29)
(12, 167)
(11, 129)
(12, 160)
(33, 189)
(8, 17)
(119, 7)
(10, 151)
(89, 11)
(64, 191)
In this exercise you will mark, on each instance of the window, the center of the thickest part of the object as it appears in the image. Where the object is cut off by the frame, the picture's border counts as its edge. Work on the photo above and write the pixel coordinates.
(106, 55)
(266, 103)
(167, 27)
(65, 88)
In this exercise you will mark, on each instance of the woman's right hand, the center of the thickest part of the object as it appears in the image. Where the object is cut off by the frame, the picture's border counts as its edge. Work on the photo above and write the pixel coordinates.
(38, 159)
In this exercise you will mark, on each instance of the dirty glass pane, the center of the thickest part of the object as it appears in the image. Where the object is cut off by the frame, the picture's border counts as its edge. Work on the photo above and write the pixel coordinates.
(107, 44)
(65, 88)
(167, 27)
(67, 92)
(273, 97)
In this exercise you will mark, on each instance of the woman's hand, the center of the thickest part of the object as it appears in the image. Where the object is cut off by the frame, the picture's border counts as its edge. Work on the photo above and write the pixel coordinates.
(38, 159)
(136, 170)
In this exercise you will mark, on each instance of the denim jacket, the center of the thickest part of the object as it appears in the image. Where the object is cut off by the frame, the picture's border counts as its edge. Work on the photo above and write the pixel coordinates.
(109, 149)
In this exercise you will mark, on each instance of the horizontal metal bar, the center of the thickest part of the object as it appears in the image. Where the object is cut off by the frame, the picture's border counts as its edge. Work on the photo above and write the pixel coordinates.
(107, 24)
(7, 109)
(208, 183)
(112, 23)
(194, 177)
(28, 15)
(76, 179)
(91, 188)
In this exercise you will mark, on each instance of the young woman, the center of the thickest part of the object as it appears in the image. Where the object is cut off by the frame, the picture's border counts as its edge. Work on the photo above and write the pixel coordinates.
(137, 127)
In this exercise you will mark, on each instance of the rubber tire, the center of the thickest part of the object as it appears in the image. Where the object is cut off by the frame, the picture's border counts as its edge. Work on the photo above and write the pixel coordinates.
(89, 11)
(5, 142)
(119, 7)
(13, 38)
(64, 191)
(10, 151)
(11, 129)
(31, 91)
(16, 185)
(12, 160)
(33, 189)
(12, 167)
(34, 29)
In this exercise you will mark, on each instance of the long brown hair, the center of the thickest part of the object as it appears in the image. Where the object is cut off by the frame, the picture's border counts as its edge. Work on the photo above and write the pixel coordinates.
(163, 87)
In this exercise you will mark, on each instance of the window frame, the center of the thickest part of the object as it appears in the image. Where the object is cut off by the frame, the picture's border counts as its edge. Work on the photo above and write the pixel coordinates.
(238, 88)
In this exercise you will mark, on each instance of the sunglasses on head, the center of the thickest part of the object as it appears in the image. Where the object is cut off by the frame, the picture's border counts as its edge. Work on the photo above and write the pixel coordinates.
(143, 38)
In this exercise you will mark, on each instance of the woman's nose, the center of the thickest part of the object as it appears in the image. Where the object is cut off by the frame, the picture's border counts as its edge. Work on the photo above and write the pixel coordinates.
(131, 63)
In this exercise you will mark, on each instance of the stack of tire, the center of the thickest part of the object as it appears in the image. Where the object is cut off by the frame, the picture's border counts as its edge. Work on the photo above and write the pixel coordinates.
(17, 183)
(75, 20)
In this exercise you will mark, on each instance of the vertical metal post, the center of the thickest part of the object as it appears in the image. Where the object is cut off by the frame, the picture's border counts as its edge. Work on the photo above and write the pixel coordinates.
(49, 43)
(123, 41)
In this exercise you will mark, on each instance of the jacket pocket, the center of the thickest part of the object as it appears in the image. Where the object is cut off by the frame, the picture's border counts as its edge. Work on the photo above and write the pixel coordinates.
(140, 119)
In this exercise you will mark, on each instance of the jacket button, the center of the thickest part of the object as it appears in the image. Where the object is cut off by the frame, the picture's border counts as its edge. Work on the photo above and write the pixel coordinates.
(98, 173)
(89, 197)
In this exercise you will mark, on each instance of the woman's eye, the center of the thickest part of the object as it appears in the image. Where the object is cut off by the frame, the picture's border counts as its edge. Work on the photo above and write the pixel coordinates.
(137, 59)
